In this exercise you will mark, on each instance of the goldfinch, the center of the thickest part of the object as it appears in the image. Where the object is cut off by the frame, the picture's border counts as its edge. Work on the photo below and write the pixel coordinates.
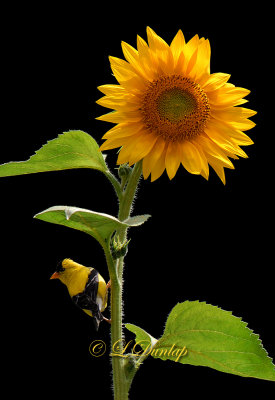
(87, 288)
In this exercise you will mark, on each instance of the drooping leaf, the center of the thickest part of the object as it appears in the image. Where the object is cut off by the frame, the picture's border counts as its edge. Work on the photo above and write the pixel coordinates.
(200, 334)
(70, 150)
(99, 225)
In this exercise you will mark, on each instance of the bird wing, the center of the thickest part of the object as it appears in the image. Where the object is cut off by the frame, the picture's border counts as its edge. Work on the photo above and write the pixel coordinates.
(87, 299)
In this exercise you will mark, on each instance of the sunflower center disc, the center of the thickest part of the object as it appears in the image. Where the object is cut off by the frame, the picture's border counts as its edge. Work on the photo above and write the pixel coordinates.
(175, 104)
(175, 108)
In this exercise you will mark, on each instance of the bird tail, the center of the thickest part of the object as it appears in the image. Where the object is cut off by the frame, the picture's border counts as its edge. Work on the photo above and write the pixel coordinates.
(97, 318)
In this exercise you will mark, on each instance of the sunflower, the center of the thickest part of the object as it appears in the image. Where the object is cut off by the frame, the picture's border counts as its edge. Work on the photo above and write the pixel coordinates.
(169, 110)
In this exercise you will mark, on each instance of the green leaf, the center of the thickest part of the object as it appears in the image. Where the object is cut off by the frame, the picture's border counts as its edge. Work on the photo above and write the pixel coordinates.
(137, 220)
(144, 339)
(73, 149)
(99, 225)
(213, 338)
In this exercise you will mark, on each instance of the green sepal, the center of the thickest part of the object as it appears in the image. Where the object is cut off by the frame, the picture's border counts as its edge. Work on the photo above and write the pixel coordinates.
(70, 150)
(118, 249)
(124, 171)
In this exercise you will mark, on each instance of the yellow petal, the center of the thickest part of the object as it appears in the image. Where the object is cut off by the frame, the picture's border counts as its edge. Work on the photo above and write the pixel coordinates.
(142, 147)
(146, 58)
(213, 150)
(114, 143)
(221, 106)
(218, 168)
(191, 64)
(150, 160)
(135, 85)
(128, 80)
(166, 62)
(126, 75)
(180, 66)
(172, 159)
(190, 158)
(233, 114)
(204, 174)
(132, 56)
(127, 151)
(156, 43)
(122, 68)
(190, 48)
(202, 65)
(113, 90)
(215, 81)
(243, 125)
(203, 159)
(224, 142)
(161, 52)
(143, 49)
(177, 45)
(240, 138)
(130, 53)
(113, 116)
(125, 103)
(227, 131)
(159, 166)
(122, 130)
(227, 96)
(119, 117)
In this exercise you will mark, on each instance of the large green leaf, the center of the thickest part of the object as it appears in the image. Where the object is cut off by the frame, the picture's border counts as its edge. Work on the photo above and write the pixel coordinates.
(73, 149)
(99, 225)
(197, 333)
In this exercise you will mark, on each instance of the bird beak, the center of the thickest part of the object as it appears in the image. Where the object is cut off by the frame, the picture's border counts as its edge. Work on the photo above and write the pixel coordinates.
(55, 275)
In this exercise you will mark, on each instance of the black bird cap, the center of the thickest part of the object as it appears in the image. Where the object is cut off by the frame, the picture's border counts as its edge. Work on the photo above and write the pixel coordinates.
(59, 267)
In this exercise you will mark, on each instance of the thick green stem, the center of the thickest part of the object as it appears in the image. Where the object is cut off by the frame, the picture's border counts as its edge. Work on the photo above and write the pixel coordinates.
(120, 382)
(119, 379)
(129, 193)
(125, 208)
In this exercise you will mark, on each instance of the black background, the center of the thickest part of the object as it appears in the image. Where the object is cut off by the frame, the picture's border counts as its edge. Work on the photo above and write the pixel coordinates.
(205, 241)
